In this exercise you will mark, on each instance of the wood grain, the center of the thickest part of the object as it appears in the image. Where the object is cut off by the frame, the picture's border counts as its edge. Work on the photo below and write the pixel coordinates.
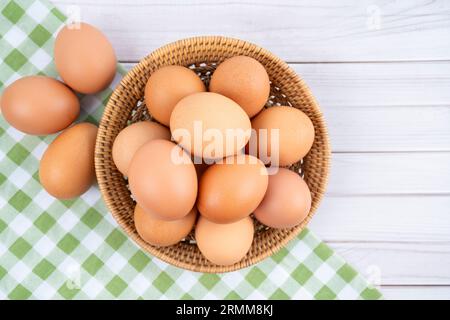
(383, 107)
(378, 84)
(389, 174)
(384, 218)
(349, 30)
(388, 128)
(410, 263)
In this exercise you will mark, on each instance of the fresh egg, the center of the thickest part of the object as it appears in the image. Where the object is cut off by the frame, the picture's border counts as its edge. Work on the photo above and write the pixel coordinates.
(224, 244)
(287, 201)
(210, 125)
(244, 80)
(67, 166)
(84, 58)
(162, 233)
(39, 105)
(231, 190)
(168, 85)
(284, 129)
(130, 139)
(162, 179)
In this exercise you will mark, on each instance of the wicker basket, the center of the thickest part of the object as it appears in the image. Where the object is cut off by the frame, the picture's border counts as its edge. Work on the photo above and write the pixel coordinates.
(127, 105)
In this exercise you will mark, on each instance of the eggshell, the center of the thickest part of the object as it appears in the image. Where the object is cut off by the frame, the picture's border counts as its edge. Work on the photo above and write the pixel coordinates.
(224, 244)
(67, 166)
(210, 125)
(84, 58)
(162, 179)
(231, 190)
(130, 139)
(39, 105)
(295, 131)
(168, 85)
(162, 233)
(287, 201)
(244, 80)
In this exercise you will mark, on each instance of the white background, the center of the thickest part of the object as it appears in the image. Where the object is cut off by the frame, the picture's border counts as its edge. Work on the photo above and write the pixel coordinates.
(381, 72)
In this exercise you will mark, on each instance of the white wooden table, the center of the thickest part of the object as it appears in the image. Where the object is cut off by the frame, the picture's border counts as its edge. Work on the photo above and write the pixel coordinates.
(381, 72)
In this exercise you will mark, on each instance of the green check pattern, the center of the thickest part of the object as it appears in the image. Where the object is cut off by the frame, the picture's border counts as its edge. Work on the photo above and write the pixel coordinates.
(52, 249)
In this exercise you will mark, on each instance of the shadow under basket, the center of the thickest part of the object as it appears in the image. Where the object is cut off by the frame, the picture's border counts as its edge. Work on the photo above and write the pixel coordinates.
(203, 54)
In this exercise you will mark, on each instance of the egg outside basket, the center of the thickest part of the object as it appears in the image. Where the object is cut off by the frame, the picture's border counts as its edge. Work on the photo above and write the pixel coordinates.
(203, 54)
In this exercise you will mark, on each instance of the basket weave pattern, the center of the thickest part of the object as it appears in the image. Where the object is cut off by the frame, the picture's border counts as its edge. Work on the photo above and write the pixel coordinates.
(203, 54)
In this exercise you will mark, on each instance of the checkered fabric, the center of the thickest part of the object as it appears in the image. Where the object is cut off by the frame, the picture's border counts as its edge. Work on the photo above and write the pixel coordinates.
(51, 249)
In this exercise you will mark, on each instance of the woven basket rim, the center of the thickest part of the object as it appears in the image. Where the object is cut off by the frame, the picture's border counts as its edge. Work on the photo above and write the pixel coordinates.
(125, 83)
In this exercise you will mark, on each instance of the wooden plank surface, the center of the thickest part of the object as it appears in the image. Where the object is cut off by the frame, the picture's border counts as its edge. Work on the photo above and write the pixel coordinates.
(411, 218)
(399, 263)
(381, 72)
(383, 107)
(378, 84)
(329, 30)
(416, 292)
(389, 173)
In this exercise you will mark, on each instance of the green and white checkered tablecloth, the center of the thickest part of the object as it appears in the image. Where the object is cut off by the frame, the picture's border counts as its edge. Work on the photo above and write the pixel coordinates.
(51, 249)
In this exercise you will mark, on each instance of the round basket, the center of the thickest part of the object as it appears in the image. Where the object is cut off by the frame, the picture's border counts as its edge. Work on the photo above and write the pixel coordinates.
(203, 54)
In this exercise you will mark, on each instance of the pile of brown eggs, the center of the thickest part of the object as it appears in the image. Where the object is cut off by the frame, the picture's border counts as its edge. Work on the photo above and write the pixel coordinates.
(212, 157)
(41, 105)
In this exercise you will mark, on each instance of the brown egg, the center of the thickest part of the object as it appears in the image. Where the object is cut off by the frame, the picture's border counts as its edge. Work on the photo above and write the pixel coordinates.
(244, 80)
(162, 233)
(287, 201)
(39, 105)
(210, 125)
(84, 58)
(130, 139)
(168, 85)
(231, 190)
(224, 244)
(295, 132)
(67, 166)
(163, 180)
